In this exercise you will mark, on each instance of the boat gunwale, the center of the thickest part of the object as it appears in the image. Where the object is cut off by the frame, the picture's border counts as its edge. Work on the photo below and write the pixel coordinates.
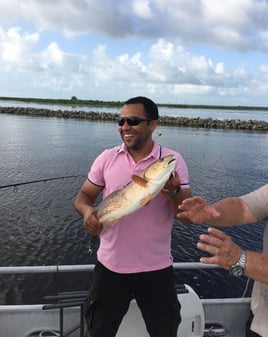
(88, 267)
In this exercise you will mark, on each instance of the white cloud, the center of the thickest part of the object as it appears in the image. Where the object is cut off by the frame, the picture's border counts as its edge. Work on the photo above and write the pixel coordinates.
(169, 49)
(170, 65)
(17, 50)
(142, 9)
(55, 58)
(232, 24)
(219, 69)
(53, 54)
(24, 67)
(188, 89)
(71, 17)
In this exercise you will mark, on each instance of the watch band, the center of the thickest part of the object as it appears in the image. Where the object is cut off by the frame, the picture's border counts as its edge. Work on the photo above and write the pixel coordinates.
(238, 268)
(173, 192)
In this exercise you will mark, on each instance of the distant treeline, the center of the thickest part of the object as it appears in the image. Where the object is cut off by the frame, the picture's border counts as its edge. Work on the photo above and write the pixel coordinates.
(99, 103)
(72, 101)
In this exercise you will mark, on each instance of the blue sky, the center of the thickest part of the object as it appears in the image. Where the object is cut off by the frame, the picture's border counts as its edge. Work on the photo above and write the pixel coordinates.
(176, 51)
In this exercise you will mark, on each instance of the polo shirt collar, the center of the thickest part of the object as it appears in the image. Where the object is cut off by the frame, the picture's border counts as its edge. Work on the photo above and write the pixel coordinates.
(156, 152)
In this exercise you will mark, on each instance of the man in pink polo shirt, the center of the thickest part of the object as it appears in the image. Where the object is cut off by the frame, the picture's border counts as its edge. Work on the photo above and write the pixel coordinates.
(134, 258)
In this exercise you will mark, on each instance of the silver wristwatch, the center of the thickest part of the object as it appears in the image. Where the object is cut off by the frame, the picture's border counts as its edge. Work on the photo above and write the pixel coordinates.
(238, 268)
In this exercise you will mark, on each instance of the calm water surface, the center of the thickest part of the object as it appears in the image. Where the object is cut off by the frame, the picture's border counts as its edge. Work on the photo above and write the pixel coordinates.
(40, 227)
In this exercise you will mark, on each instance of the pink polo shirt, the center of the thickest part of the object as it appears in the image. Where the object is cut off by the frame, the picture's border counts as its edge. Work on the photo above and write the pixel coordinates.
(140, 241)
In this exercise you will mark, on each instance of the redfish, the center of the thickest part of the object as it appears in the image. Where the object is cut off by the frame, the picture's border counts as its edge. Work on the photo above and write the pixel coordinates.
(138, 193)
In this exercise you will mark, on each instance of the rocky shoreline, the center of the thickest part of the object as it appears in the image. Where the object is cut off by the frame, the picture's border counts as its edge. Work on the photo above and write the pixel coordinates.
(210, 123)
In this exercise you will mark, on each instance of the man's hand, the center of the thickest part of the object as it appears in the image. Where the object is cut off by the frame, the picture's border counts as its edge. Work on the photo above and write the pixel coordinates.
(197, 210)
(173, 182)
(91, 223)
(223, 250)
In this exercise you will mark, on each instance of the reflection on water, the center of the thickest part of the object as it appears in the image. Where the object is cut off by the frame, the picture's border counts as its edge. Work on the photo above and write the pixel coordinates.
(40, 227)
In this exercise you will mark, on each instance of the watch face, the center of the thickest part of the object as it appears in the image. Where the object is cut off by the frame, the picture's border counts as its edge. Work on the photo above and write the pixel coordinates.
(237, 270)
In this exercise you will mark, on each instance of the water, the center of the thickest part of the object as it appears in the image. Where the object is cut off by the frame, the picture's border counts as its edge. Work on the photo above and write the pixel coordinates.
(40, 227)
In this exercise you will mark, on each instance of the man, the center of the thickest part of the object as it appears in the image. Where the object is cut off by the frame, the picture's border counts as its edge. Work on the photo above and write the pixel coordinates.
(134, 256)
(247, 209)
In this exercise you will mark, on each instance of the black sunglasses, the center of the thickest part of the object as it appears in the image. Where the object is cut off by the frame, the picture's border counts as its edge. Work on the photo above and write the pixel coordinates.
(132, 121)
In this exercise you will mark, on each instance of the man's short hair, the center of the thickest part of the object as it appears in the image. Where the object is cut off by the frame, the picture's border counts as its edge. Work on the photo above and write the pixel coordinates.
(150, 108)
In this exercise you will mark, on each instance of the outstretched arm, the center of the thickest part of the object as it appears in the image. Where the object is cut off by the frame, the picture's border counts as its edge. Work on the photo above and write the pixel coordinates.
(225, 212)
(197, 210)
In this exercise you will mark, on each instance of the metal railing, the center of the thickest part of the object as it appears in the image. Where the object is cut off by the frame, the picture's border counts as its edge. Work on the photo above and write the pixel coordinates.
(88, 267)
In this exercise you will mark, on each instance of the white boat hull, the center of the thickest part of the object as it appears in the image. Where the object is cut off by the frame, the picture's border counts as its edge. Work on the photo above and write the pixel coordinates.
(224, 317)
(33, 320)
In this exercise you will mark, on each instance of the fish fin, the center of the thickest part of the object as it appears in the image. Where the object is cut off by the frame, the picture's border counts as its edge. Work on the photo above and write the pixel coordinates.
(144, 201)
(139, 180)
(110, 223)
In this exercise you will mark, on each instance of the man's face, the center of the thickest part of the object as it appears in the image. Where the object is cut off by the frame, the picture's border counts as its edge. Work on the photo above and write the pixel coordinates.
(135, 137)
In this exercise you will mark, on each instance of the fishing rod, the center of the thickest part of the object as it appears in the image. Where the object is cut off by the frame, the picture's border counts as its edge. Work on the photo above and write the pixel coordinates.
(94, 240)
(39, 181)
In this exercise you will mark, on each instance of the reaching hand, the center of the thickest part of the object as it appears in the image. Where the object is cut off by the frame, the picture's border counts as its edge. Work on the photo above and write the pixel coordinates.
(197, 210)
(223, 250)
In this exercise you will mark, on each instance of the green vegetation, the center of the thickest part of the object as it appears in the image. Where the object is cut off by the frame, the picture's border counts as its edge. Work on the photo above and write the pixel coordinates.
(78, 102)
(73, 101)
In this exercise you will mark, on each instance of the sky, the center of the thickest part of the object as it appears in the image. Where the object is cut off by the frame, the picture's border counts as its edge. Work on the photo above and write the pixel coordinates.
(173, 51)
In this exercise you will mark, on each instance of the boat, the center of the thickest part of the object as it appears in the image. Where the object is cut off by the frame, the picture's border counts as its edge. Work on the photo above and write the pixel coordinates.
(64, 315)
